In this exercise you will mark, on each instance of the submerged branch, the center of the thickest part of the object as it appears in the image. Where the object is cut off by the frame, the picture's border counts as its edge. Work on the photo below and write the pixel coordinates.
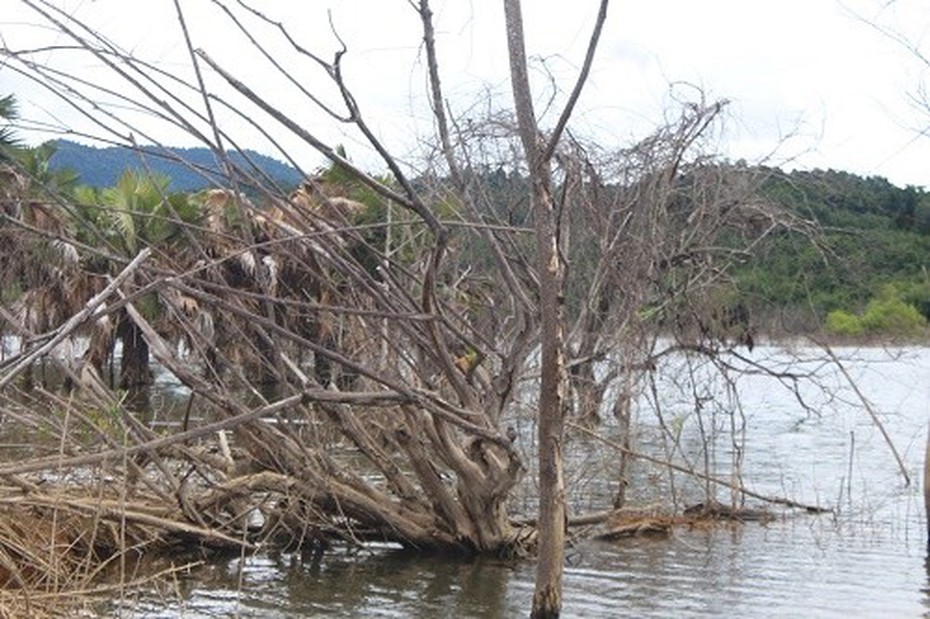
(814, 509)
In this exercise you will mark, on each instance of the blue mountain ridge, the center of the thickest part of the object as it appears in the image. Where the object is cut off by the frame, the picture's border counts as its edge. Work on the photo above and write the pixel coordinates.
(102, 167)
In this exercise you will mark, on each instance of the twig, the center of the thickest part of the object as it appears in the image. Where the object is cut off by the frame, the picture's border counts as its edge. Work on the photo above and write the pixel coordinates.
(868, 407)
(579, 83)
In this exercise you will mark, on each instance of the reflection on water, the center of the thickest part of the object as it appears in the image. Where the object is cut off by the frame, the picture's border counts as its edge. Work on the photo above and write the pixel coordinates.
(790, 568)
(867, 559)
(389, 583)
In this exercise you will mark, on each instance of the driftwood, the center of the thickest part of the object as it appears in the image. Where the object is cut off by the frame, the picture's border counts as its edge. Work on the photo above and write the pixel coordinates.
(637, 522)
(637, 527)
(715, 510)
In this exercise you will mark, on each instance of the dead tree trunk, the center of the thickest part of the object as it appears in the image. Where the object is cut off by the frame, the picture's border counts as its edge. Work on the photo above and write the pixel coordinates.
(588, 392)
(547, 599)
(927, 488)
(134, 362)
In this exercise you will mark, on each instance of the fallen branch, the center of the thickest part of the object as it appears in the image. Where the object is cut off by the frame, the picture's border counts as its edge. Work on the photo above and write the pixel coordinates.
(868, 407)
(121, 512)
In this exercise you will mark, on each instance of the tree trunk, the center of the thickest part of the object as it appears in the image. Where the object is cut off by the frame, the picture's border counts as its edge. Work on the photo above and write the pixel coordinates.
(927, 488)
(588, 393)
(547, 599)
(134, 364)
(623, 411)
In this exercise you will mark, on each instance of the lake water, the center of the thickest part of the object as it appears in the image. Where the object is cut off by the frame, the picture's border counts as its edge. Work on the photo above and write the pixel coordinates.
(865, 559)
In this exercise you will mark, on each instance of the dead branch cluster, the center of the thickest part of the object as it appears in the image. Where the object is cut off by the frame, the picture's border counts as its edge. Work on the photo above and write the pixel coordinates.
(357, 358)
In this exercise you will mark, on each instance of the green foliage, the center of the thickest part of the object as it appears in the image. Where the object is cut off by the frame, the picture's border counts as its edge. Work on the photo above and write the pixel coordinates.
(338, 174)
(890, 314)
(841, 322)
(917, 294)
(8, 113)
(871, 234)
(887, 314)
(137, 211)
(45, 181)
(837, 198)
(337, 179)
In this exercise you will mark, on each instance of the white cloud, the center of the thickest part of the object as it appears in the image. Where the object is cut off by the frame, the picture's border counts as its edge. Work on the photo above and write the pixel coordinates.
(809, 69)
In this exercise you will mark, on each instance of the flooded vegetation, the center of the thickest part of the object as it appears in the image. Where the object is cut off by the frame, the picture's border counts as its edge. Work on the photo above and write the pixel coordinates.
(865, 553)
(866, 556)
(518, 373)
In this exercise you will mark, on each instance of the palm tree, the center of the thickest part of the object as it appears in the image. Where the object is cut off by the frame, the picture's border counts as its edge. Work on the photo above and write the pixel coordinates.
(41, 281)
(8, 113)
(137, 212)
(45, 182)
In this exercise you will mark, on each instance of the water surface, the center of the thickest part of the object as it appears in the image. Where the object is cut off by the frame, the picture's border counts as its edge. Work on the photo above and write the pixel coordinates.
(865, 559)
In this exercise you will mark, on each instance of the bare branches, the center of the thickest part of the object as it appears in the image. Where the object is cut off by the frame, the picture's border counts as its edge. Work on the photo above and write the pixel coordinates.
(67, 329)
(437, 100)
(366, 356)
(739, 488)
(308, 137)
(579, 83)
(202, 87)
(868, 407)
(326, 66)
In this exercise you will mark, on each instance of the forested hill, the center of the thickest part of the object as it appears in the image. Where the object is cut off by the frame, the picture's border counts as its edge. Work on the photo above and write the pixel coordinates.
(874, 244)
(874, 237)
(102, 167)
(836, 198)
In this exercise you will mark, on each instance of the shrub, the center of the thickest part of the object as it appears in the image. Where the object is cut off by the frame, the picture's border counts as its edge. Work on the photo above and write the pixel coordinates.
(892, 316)
(843, 323)
(892, 312)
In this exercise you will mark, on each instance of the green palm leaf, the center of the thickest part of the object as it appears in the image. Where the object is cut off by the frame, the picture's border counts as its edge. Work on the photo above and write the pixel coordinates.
(8, 113)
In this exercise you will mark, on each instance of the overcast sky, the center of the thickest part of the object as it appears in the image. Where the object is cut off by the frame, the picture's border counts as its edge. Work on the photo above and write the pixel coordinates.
(810, 83)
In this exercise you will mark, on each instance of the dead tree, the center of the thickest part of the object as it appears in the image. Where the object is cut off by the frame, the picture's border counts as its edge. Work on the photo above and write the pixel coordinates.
(425, 411)
(456, 298)
(539, 151)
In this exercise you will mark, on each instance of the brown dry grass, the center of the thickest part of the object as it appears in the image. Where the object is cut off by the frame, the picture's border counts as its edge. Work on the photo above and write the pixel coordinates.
(55, 553)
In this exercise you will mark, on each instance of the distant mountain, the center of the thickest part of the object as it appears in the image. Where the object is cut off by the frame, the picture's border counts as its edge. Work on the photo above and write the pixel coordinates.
(101, 167)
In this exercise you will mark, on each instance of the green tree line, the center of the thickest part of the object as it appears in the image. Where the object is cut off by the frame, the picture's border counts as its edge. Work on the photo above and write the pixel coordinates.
(872, 247)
